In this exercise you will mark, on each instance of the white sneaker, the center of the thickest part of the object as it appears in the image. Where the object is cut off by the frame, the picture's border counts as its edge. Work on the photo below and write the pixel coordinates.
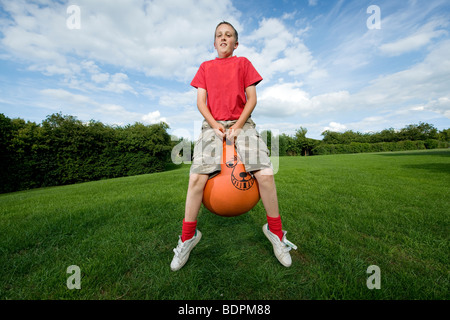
(280, 248)
(183, 250)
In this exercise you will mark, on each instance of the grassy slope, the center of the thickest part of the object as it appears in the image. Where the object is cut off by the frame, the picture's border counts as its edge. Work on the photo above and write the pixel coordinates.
(344, 212)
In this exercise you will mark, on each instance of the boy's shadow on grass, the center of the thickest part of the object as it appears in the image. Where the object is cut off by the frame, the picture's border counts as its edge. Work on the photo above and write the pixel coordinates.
(249, 220)
(230, 233)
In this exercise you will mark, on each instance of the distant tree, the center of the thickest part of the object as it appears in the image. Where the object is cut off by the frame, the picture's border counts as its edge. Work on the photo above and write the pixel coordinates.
(304, 145)
(6, 153)
(386, 135)
(421, 131)
(331, 137)
(444, 135)
(266, 136)
(283, 144)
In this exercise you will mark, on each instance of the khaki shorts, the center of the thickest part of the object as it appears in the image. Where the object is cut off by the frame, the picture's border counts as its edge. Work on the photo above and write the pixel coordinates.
(250, 148)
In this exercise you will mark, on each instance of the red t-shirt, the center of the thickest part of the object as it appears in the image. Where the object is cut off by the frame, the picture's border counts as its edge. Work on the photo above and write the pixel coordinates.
(225, 81)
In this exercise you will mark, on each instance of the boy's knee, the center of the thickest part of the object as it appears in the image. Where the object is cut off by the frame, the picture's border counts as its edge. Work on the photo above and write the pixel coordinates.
(197, 180)
(264, 173)
(264, 176)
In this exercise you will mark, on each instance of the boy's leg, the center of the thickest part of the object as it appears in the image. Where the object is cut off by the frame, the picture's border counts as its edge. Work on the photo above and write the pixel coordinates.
(194, 195)
(273, 228)
(205, 159)
(193, 202)
(190, 235)
(268, 193)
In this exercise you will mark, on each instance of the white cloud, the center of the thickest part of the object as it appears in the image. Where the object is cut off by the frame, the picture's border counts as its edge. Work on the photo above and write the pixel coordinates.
(415, 41)
(174, 99)
(273, 49)
(81, 105)
(392, 99)
(118, 83)
(161, 38)
(335, 127)
(289, 99)
(424, 81)
(282, 100)
(153, 117)
(331, 102)
(440, 105)
(100, 77)
(66, 96)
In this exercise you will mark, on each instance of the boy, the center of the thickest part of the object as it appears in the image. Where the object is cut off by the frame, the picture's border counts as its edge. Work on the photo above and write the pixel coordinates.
(226, 97)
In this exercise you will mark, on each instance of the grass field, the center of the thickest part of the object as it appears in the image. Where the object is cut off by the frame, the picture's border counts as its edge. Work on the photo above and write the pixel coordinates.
(344, 212)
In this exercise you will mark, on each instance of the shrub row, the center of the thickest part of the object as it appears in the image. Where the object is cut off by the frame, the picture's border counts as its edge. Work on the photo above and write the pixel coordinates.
(357, 147)
(63, 150)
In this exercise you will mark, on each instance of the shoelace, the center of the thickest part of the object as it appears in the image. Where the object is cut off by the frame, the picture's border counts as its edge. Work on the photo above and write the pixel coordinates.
(286, 245)
(289, 244)
(178, 249)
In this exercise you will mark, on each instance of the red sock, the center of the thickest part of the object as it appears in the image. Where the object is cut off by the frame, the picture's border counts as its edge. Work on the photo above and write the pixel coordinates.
(275, 226)
(188, 230)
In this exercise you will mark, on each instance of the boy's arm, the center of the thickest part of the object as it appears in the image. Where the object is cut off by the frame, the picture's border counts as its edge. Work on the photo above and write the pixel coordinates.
(203, 108)
(234, 130)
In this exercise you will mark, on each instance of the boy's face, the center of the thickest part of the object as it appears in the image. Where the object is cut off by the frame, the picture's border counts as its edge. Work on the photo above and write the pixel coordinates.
(225, 42)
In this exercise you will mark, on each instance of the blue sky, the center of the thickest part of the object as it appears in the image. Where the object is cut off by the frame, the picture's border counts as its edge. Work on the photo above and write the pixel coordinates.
(324, 65)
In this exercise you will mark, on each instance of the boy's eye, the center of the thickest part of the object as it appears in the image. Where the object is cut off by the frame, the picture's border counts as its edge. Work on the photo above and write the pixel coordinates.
(229, 35)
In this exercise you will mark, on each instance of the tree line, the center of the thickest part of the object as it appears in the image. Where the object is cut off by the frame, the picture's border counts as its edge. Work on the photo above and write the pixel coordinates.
(411, 137)
(63, 150)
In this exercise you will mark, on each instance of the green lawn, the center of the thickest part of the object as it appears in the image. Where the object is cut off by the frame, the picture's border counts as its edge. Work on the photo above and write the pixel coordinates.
(344, 212)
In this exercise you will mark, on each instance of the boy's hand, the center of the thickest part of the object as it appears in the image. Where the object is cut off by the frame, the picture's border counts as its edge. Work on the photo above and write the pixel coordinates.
(233, 132)
(219, 130)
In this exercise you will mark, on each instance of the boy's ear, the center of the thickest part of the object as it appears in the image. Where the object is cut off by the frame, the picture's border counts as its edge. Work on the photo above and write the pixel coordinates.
(235, 46)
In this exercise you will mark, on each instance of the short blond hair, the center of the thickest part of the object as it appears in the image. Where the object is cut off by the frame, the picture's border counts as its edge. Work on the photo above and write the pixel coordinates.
(225, 22)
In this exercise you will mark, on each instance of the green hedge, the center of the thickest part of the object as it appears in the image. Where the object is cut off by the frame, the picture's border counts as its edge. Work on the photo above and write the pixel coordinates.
(357, 147)
(63, 150)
